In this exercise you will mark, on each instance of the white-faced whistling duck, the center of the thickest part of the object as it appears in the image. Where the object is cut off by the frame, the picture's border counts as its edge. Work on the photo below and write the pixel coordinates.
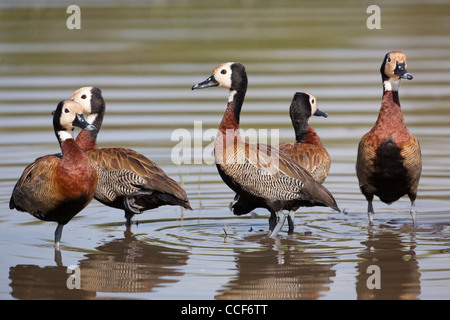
(308, 149)
(57, 187)
(260, 175)
(127, 180)
(389, 162)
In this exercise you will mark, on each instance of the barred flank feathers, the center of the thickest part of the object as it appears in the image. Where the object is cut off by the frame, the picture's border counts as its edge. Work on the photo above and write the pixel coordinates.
(116, 183)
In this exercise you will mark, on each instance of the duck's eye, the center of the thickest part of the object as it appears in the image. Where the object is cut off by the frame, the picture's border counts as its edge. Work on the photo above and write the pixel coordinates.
(389, 59)
(66, 110)
(223, 71)
(313, 101)
(83, 96)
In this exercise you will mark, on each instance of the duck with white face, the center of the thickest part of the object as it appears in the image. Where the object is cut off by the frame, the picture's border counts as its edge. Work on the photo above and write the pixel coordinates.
(261, 176)
(127, 179)
(57, 187)
(389, 160)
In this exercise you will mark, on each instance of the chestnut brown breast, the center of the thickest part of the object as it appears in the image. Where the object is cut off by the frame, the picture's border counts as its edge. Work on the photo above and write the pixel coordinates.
(56, 188)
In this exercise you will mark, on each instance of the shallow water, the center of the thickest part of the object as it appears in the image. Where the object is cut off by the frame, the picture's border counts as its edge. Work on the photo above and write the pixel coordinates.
(145, 60)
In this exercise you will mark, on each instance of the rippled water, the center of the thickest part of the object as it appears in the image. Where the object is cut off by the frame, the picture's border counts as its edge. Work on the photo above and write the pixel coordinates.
(145, 60)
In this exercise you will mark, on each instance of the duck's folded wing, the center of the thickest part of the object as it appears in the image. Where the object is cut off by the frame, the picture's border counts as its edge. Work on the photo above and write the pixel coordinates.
(267, 173)
(126, 171)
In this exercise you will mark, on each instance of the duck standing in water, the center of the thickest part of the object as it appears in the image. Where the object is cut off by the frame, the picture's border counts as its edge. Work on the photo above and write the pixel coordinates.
(308, 150)
(261, 176)
(389, 161)
(57, 187)
(127, 180)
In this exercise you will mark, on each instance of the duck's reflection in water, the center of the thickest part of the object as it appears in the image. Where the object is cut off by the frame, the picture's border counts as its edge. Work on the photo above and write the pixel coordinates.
(282, 270)
(121, 265)
(32, 282)
(397, 274)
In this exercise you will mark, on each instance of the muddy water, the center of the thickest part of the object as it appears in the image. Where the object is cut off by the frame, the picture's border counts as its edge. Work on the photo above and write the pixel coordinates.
(145, 59)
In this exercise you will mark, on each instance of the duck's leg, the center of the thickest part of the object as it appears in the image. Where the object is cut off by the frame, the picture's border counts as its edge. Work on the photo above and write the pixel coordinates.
(412, 197)
(272, 221)
(128, 216)
(291, 217)
(130, 203)
(413, 213)
(280, 218)
(370, 212)
(58, 234)
(131, 207)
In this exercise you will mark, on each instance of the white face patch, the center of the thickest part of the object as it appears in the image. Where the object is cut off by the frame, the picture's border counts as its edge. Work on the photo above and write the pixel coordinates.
(222, 74)
(313, 103)
(83, 97)
(68, 114)
(66, 119)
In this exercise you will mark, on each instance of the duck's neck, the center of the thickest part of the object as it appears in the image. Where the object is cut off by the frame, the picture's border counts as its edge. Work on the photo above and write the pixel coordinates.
(390, 84)
(311, 137)
(305, 133)
(87, 140)
(301, 129)
(228, 135)
(390, 99)
(230, 120)
(71, 152)
(390, 110)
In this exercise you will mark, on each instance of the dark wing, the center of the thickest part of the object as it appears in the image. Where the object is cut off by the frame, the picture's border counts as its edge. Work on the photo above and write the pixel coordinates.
(124, 171)
(264, 172)
(365, 165)
(34, 192)
(412, 156)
